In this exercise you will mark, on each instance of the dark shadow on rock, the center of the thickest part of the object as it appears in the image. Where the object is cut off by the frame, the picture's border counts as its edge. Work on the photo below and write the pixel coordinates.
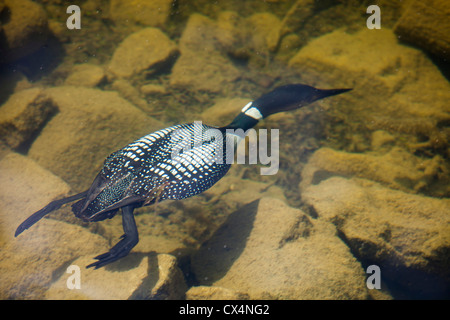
(403, 282)
(8, 80)
(42, 62)
(129, 262)
(443, 64)
(35, 66)
(217, 255)
(144, 290)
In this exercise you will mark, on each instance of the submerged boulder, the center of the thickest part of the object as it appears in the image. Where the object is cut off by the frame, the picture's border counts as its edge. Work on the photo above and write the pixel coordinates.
(23, 115)
(397, 168)
(135, 277)
(426, 25)
(202, 65)
(269, 250)
(401, 84)
(24, 29)
(85, 75)
(90, 125)
(406, 235)
(148, 49)
(148, 13)
(48, 245)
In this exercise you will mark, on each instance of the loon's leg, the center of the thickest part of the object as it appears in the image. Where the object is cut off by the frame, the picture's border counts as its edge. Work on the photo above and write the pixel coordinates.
(52, 206)
(124, 246)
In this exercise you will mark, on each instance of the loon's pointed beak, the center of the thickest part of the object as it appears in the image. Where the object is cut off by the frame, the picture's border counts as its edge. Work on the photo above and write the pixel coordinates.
(324, 93)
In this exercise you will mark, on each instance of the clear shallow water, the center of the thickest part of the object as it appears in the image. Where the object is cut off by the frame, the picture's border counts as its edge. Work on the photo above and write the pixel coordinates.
(362, 180)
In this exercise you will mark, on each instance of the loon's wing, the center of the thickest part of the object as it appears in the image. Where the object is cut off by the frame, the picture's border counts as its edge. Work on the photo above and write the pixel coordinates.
(190, 171)
(116, 185)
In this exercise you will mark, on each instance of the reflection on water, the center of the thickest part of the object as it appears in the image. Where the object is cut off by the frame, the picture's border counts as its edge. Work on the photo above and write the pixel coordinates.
(363, 178)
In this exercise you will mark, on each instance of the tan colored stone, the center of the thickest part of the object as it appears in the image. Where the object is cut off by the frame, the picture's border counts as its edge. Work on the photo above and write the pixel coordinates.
(119, 281)
(25, 30)
(272, 251)
(85, 75)
(170, 283)
(48, 245)
(26, 188)
(90, 126)
(214, 293)
(147, 49)
(397, 168)
(396, 75)
(202, 65)
(152, 13)
(224, 111)
(23, 115)
(427, 25)
(150, 89)
(407, 236)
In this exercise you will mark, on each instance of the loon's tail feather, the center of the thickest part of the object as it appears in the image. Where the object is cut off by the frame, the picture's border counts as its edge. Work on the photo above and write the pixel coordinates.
(52, 206)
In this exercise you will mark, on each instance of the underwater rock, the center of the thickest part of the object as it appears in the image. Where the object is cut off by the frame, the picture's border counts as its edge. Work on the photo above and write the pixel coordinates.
(202, 65)
(85, 75)
(58, 29)
(265, 28)
(149, 242)
(45, 247)
(224, 110)
(406, 235)
(381, 138)
(232, 32)
(131, 93)
(26, 188)
(119, 281)
(294, 20)
(214, 293)
(399, 84)
(148, 13)
(90, 125)
(40, 252)
(24, 29)
(170, 283)
(335, 54)
(150, 89)
(247, 39)
(23, 115)
(426, 25)
(396, 169)
(233, 191)
(12, 81)
(137, 277)
(269, 250)
(148, 49)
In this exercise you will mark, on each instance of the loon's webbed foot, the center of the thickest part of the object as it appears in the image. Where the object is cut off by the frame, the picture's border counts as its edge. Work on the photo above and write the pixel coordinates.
(124, 246)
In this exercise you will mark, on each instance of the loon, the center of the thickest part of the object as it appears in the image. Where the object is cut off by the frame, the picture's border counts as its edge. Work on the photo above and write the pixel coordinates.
(169, 164)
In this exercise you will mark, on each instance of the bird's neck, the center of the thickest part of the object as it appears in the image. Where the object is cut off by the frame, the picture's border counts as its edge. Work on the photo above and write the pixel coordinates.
(246, 119)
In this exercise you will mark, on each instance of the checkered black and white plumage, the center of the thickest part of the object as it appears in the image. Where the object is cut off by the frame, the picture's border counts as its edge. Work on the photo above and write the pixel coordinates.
(173, 163)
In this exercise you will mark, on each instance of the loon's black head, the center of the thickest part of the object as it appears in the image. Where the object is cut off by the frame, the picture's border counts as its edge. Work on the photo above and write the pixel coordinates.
(290, 97)
(284, 98)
